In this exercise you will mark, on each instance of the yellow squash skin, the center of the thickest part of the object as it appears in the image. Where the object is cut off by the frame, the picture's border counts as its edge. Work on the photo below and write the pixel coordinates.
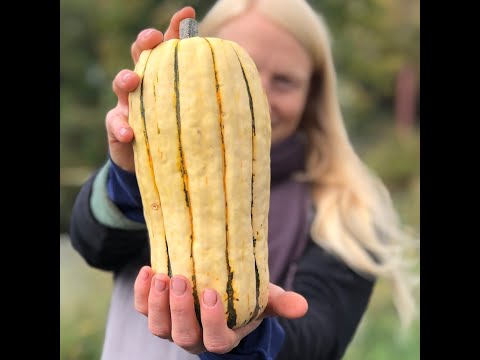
(202, 159)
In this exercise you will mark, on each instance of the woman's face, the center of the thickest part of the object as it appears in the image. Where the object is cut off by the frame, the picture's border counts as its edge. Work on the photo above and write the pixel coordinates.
(284, 66)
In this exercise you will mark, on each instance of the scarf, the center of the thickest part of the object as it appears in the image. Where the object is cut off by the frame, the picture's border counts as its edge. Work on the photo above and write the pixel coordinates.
(290, 210)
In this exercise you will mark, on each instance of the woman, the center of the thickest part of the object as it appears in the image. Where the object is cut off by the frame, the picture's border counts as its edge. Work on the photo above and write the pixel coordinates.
(338, 234)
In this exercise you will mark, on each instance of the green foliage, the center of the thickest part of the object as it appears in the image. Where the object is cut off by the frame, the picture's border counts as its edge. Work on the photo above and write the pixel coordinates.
(380, 339)
(371, 41)
(84, 298)
(394, 156)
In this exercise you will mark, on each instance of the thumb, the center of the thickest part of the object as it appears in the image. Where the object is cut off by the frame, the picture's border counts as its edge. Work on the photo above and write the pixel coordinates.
(287, 304)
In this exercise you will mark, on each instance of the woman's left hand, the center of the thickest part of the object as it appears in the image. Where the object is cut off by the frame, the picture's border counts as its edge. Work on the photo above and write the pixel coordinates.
(169, 306)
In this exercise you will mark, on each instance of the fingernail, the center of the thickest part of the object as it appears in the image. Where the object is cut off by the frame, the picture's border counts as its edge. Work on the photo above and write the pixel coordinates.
(178, 286)
(123, 131)
(209, 298)
(147, 33)
(125, 77)
(144, 275)
(160, 285)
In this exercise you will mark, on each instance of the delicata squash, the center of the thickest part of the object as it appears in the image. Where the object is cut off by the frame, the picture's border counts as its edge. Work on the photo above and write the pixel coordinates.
(202, 159)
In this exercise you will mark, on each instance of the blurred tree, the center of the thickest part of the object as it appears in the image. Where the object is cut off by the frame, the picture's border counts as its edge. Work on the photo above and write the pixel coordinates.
(373, 40)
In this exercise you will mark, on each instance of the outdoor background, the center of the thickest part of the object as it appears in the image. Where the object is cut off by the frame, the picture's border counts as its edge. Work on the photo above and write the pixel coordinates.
(376, 49)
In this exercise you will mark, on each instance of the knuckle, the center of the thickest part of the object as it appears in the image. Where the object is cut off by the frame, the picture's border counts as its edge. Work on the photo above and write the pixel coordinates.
(187, 338)
(110, 114)
(218, 346)
(156, 307)
(112, 117)
(161, 331)
(178, 311)
(157, 304)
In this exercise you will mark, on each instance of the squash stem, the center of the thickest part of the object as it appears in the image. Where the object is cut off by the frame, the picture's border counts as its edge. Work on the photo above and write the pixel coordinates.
(188, 28)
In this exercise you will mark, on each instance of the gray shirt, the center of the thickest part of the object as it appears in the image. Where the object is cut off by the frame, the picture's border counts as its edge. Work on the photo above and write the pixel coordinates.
(127, 334)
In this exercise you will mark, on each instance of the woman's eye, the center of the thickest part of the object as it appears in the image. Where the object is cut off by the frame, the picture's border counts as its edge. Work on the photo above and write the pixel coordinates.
(283, 83)
(282, 80)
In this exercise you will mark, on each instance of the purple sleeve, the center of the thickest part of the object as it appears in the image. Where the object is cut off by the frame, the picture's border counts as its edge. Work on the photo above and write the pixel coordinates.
(122, 188)
(263, 343)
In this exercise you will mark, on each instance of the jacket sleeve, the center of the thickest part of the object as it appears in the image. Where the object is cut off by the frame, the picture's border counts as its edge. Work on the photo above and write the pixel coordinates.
(337, 299)
(261, 344)
(101, 234)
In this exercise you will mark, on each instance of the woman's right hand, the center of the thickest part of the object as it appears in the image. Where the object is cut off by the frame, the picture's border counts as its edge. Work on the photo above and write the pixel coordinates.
(168, 304)
(119, 133)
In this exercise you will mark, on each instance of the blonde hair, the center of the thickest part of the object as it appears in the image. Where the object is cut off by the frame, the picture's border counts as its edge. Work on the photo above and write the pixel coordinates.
(355, 217)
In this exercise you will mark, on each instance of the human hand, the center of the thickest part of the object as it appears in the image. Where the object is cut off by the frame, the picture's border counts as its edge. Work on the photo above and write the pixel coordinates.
(119, 133)
(169, 306)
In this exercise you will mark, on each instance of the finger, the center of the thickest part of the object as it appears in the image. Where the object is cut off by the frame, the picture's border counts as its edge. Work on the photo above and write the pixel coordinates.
(146, 39)
(125, 82)
(120, 136)
(159, 321)
(118, 129)
(186, 331)
(217, 337)
(142, 289)
(173, 29)
(287, 304)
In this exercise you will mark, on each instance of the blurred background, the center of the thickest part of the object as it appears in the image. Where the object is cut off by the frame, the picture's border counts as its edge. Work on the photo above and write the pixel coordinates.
(376, 46)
